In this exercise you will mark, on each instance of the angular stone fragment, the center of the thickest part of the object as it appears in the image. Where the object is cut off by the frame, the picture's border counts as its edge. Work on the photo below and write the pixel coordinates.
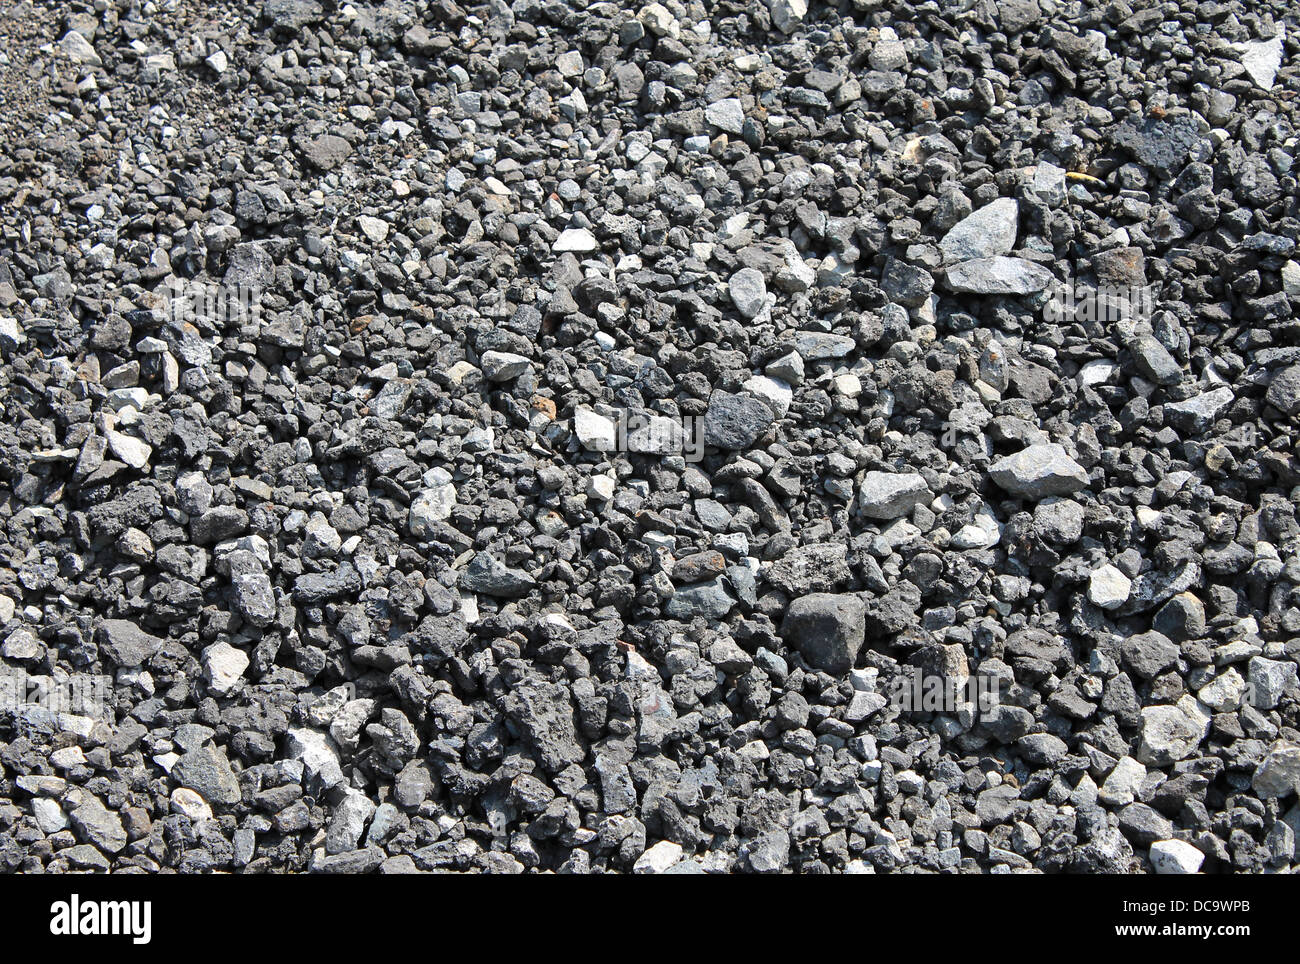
(125, 643)
(735, 421)
(488, 575)
(223, 666)
(748, 291)
(1198, 413)
(78, 49)
(430, 507)
(503, 366)
(1171, 733)
(987, 232)
(1039, 471)
(206, 771)
(827, 629)
(578, 240)
(595, 432)
(1278, 774)
(98, 826)
(889, 495)
(1154, 361)
(1175, 857)
(543, 712)
(816, 568)
(998, 276)
(727, 115)
(1262, 58)
(1108, 587)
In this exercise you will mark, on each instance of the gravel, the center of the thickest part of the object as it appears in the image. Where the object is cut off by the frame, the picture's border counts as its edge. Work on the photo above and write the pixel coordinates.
(649, 437)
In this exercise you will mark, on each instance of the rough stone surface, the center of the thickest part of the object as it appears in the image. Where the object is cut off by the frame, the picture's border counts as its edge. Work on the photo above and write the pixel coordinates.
(827, 629)
(593, 438)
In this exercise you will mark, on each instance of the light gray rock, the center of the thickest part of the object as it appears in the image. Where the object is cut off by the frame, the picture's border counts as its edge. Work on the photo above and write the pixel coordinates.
(1269, 680)
(1172, 733)
(658, 858)
(998, 276)
(430, 507)
(889, 495)
(787, 14)
(1262, 60)
(1108, 587)
(578, 240)
(1278, 774)
(1122, 784)
(748, 291)
(726, 115)
(78, 49)
(349, 821)
(223, 667)
(1039, 471)
(985, 233)
(98, 826)
(594, 431)
(318, 755)
(1175, 857)
(1198, 413)
(503, 366)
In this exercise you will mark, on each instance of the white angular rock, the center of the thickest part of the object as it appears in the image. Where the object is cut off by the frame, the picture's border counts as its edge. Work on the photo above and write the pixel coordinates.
(190, 804)
(787, 14)
(431, 506)
(1121, 785)
(726, 115)
(376, 229)
(1224, 693)
(888, 495)
(223, 667)
(78, 49)
(129, 449)
(318, 755)
(578, 240)
(655, 435)
(1262, 60)
(1269, 681)
(998, 275)
(748, 291)
(595, 432)
(1172, 733)
(1108, 588)
(1278, 774)
(658, 20)
(1098, 372)
(658, 858)
(1175, 857)
(1039, 471)
(1291, 278)
(982, 533)
(775, 393)
(49, 815)
(601, 487)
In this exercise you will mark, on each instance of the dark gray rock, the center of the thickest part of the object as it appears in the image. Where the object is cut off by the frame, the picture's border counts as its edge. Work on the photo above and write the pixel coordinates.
(827, 629)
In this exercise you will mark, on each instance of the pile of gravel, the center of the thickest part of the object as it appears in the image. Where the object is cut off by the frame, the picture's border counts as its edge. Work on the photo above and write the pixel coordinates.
(555, 436)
